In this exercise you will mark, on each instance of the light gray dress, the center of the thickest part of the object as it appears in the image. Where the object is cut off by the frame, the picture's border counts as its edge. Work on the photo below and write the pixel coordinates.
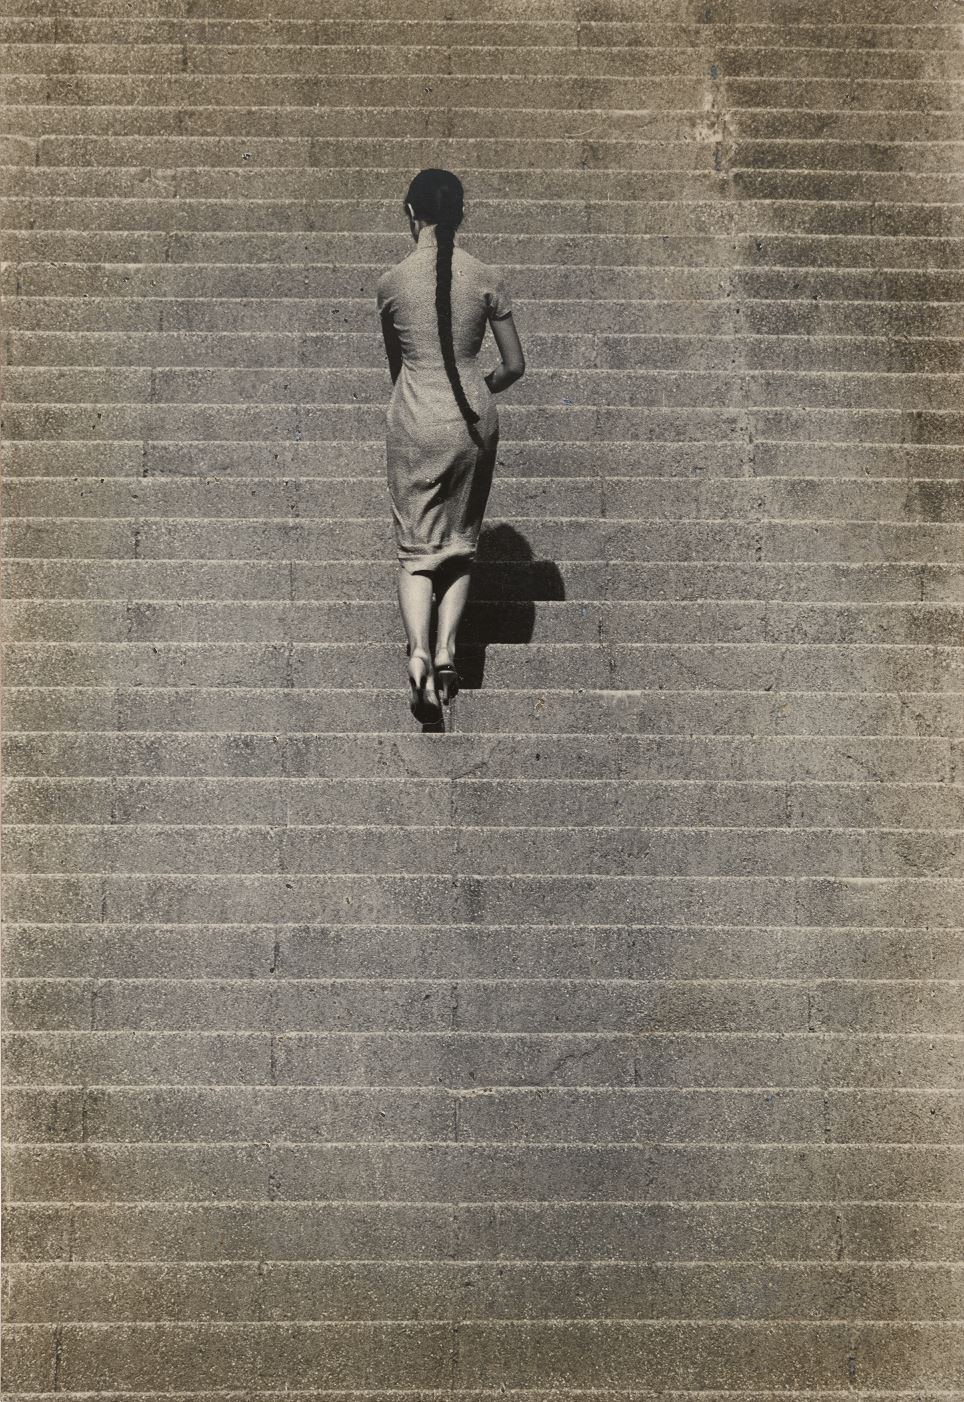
(439, 467)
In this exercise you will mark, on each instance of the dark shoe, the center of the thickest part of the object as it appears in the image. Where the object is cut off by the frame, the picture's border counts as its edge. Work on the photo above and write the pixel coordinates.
(447, 681)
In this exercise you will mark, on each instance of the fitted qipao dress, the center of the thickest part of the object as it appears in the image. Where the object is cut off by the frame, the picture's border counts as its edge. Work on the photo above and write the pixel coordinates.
(439, 467)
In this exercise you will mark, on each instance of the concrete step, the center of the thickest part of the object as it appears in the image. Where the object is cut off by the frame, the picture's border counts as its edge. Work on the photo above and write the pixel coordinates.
(52, 122)
(709, 667)
(613, 259)
(146, 398)
(184, 265)
(599, 498)
(384, 1229)
(519, 1114)
(283, 422)
(466, 1059)
(331, 353)
(512, 584)
(235, 1290)
(909, 902)
(80, 957)
(759, 1003)
(118, 198)
(158, 170)
(419, 1354)
(664, 28)
(539, 842)
(585, 540)
(223, 1171)
(520, 458)
(261, 332)
(396, 805)
(262, 755)
(677, 78)
(667, 28)
(614, 504)
(725, 14)
(539, 710)
(479, 52)
(539, 621)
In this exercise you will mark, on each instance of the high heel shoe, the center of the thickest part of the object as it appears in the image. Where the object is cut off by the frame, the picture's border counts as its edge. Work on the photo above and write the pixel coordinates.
(424, 709)
(447, 681)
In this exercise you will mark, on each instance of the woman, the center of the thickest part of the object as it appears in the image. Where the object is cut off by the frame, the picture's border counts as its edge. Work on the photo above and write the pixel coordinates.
(442, 425)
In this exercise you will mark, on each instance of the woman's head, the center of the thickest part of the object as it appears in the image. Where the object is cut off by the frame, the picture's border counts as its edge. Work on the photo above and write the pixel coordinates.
(437, 197)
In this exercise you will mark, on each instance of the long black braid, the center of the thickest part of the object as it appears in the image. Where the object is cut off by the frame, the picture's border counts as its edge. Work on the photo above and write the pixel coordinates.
(436, 196)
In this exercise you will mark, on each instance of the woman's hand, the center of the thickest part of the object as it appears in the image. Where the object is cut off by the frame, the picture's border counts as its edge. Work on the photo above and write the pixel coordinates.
(501, 377)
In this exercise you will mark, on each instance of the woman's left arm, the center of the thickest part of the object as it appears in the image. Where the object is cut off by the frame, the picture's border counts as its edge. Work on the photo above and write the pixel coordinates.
(393, 347)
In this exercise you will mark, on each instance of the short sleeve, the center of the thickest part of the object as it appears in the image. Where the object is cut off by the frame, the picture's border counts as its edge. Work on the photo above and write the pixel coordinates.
(498, 300)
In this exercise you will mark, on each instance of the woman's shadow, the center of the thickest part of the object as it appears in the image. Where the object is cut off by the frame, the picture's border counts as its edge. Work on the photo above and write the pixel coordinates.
(507, 582)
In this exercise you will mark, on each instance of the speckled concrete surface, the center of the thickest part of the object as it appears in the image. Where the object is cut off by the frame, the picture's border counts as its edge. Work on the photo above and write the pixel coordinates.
(606, 1045)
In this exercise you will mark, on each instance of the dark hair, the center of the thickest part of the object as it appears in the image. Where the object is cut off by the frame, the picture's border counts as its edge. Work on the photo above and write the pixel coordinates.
(436, 196)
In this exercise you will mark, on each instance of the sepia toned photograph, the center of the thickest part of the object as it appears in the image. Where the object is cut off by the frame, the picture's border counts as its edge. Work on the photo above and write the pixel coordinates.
(482, 701)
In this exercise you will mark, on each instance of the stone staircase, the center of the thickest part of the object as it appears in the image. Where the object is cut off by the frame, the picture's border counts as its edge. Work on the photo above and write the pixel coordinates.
(607, 1041)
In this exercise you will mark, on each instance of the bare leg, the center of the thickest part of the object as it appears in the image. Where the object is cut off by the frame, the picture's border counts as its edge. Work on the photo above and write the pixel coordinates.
(415, 602)
(452, 591)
